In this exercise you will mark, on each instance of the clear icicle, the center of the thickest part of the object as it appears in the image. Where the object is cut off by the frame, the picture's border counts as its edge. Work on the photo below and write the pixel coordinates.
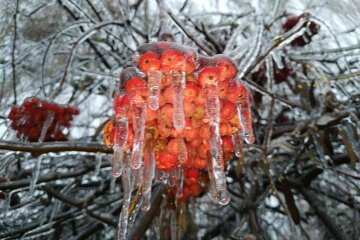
(138, 176)
(98, 161)
(277, 57)
(154, 85)
(47, 124)
(182, 150)
(212, 188)
(122, 127)
(178, 84)
(35, 175)
(212, 105)
(180, 183)
(173, 224)
(127, 188)
(139, 113)
(217, 168)
(245, 120)
(237, 141)
(148, 176)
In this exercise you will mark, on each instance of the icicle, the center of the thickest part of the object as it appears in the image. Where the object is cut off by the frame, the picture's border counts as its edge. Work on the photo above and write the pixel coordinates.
(148, 176)
(173, 224)
(127, 188)
(139, 113)
(112, 185)
(120, 141)
(237, 141)
(182, 150)
(154, 85)
(180, 184)
(212, 105)
(47, 124)
(245, 119)
(98, 161)
(178, 84)
(35, 175)
(138, 176)
(277, 57)
(217, 168)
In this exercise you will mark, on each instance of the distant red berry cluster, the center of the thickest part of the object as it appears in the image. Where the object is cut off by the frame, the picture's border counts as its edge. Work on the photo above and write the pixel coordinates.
(312, 29)
(30, 119)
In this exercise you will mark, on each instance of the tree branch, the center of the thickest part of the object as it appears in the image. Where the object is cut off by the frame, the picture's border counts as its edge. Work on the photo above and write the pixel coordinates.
(145, 219)
(55, 147)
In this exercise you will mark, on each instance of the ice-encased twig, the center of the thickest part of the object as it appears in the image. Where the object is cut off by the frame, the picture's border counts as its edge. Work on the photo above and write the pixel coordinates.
(217, 168)
(139, 113)
(122, 129)
(154, 86)
(178, 84)
(148, 176)
(127, 189)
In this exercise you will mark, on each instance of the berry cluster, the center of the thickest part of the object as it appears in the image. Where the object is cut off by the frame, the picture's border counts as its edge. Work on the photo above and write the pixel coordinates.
(38, 120)
(312, 29)
(185, 95)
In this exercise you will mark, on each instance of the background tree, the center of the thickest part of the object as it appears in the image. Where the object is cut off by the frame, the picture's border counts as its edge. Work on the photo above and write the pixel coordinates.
(300, 180)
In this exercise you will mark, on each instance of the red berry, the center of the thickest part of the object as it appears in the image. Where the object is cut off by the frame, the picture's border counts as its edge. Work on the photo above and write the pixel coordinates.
(149, 61)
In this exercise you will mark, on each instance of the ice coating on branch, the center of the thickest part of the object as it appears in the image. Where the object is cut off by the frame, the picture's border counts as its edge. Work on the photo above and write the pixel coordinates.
(217, 168)
(154, 86)
(252, 53)
(178, 84)
(148, 176)
(121, 136)
(237, 141)
(127, 189)
(139, 113)
(182, 150)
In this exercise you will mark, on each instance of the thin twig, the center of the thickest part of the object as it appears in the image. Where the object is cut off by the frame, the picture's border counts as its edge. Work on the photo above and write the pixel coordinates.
(13, 51)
